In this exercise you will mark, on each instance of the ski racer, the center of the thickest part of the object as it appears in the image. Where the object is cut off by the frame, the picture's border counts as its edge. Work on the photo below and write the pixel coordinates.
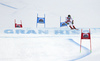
(70, 22)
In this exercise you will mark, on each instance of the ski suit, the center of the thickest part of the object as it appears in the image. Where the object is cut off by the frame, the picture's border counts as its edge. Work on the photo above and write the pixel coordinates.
(70, 21)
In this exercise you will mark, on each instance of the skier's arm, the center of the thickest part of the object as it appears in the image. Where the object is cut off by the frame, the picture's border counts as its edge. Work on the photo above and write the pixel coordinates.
(72, 21)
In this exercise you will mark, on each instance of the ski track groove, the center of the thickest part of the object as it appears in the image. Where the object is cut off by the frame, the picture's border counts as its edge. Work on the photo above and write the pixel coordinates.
(8, 6)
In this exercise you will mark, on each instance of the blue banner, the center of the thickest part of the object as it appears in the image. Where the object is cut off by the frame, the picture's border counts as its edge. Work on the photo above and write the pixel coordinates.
(40, 20)
(63, 24)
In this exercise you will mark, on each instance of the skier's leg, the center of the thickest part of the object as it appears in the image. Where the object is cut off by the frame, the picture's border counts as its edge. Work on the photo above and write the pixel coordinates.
(74, 27)
(70, 25)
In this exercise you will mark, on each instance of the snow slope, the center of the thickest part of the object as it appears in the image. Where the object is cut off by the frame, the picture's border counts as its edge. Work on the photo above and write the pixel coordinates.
(41, 49)
(64, 46)
(48, 46)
